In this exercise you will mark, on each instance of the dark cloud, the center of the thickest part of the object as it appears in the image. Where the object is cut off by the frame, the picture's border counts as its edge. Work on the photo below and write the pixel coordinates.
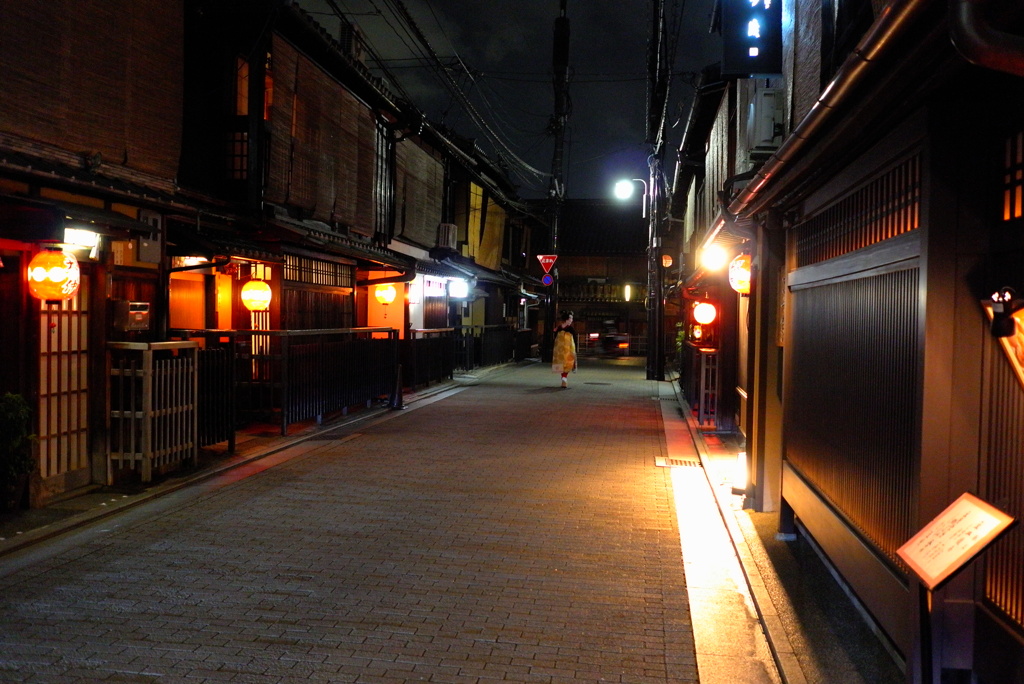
(500, 54)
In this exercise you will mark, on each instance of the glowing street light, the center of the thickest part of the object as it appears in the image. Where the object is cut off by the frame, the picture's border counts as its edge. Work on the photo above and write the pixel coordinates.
(624, 190)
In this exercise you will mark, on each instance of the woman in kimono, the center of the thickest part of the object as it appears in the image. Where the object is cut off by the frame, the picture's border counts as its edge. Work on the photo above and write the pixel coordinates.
(563, 355)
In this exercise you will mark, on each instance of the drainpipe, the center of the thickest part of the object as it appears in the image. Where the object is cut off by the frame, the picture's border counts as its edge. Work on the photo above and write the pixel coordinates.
(979, 43)
(880, 41)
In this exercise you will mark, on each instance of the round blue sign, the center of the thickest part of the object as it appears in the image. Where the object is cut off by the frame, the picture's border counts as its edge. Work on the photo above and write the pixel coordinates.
(547, 279)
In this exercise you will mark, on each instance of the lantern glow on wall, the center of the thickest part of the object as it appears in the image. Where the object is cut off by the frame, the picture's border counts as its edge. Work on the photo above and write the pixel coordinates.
(53, 275)
(256, 295)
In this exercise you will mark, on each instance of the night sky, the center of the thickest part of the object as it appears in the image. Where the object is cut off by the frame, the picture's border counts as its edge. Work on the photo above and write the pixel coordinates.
(499, 55)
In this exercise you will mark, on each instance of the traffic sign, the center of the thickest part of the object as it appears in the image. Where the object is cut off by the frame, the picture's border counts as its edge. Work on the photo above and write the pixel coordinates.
(547, 261)
(547, 279)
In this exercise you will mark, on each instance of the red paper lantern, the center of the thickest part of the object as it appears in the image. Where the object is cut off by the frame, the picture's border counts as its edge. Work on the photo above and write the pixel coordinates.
(54, 275)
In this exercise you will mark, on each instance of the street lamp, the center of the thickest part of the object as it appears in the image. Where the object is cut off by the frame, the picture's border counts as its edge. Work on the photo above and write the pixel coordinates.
(655, 309)
(624, 190)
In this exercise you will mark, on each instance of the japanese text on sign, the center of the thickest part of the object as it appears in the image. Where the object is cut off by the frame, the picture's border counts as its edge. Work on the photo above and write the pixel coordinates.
(952, 538)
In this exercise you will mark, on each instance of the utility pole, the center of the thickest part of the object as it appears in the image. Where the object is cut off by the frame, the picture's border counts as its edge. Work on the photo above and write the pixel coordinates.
(556, 190)
(659, 71)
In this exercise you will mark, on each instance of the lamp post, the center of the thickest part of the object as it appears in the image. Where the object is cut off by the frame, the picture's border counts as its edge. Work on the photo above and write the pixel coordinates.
(655, 308)
(624, 190)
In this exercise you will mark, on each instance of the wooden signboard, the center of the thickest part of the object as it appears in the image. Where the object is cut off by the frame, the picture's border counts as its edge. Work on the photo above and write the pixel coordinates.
(953, 538)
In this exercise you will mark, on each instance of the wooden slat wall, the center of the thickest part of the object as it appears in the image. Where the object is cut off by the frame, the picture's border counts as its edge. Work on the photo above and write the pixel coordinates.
(96, 76)
(883, 208)
(323, 145)
(852, 405)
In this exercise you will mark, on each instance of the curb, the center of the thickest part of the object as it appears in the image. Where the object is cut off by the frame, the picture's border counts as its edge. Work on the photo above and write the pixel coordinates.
(779, 643)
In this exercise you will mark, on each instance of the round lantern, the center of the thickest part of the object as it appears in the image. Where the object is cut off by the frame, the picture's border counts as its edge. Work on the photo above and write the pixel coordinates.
(385, 294)
(705, 313)
(256, 295)
(739, 274)
(53, 275)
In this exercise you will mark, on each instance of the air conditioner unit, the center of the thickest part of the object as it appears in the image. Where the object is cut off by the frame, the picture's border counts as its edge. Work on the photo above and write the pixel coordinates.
(352, 42)
(448, 236)
(765, 122)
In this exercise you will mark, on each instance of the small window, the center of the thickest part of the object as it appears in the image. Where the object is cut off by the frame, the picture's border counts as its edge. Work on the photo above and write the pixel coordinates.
(241, 87)
(1013, 178)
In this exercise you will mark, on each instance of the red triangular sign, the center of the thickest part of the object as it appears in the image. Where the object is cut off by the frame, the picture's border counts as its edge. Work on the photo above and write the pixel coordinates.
(547, 261)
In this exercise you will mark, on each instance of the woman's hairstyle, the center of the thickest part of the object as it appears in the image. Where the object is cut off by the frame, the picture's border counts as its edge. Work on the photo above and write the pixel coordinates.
(565, 315)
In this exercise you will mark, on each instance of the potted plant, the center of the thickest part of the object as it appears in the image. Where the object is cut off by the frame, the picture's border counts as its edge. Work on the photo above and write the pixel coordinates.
(16, 462)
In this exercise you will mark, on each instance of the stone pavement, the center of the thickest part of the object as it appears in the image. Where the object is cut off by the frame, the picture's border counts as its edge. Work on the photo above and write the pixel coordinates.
(500, 529)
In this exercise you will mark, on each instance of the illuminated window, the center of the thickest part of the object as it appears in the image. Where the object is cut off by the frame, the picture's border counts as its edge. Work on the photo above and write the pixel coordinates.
(1013, 178)
(268, 89)
(241, 87)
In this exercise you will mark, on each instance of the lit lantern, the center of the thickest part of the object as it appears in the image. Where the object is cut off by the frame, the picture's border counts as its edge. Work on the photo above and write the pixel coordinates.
(385, 294)
(739, 274)
(54, 275)
(705, 313)
(666, 261)
(256, 295)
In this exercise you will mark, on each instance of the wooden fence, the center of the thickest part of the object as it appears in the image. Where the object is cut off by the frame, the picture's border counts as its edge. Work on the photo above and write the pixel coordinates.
(288, 376)
(151, 407)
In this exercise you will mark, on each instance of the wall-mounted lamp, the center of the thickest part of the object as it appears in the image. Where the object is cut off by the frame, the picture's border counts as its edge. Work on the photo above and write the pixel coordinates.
(1004, 305)
(666, 261)
(256, 295)
(713, 258)
(83, 238)
(627, 292)
(53, 275)
(458, 288)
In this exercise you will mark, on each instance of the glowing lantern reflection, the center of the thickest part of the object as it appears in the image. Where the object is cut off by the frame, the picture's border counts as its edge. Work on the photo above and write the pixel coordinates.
(256, 295)
(54, 275)
(739, 274)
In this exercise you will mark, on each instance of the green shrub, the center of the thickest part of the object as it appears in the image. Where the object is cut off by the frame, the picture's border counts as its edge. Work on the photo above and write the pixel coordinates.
(15, 438)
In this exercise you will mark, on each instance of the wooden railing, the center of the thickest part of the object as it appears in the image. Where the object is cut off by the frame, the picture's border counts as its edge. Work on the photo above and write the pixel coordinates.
(484, 345)
(428, 356)
(151, 407)
(288, 376)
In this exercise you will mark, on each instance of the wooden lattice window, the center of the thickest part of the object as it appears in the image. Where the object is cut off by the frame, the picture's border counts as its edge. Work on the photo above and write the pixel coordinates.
(311, 271)
(887, 206)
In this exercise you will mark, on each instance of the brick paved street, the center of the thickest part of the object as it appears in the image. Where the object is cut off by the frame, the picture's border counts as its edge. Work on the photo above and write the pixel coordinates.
(510, 531)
